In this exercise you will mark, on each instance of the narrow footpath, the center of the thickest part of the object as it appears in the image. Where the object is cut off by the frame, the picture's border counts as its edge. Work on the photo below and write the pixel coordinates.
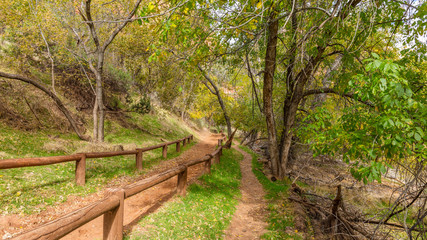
(249, 220)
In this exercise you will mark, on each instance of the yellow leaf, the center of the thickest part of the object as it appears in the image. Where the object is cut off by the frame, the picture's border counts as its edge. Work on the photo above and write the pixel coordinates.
(150, 6)
(259, 5)
(18, 193)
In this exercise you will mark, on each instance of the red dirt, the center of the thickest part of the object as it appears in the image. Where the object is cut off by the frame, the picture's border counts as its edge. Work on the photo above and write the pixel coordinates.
(249, 219)
(136, 207)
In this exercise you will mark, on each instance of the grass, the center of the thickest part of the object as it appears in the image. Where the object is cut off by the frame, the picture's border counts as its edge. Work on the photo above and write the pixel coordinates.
(280, 219)
(205, 212)
(30, 190)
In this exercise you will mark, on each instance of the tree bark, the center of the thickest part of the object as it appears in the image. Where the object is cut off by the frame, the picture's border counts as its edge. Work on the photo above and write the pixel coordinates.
(95, 120)
(269, 70)
(99, 97)
(291, 106)
(58, 101)
(326, 82)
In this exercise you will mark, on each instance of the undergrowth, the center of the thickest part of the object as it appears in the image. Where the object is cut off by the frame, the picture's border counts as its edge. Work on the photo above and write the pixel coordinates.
(31, 189)
(280, 219)
(205, 212)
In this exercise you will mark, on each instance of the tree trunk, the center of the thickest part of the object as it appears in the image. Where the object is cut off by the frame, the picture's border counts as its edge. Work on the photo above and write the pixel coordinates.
(58, 101)
(95, 120)
(246, 136)
(291, 104)
(99, 100)
(270, 68)
(291, 107)
(216, 92)
(319, 99)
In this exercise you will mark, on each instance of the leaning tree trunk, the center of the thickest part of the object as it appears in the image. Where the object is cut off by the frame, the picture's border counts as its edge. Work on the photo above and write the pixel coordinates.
(295, 95)
(215, 91)
(270, 68)
(291, 107)
(291, 103)
(58, 101)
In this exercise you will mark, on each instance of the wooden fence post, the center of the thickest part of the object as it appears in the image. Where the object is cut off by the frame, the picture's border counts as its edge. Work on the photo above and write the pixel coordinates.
(178, 147)
(139, 159)
(81, 170)
(182, 182)
(189, 140)
(113, 220)
(165, 151)
(184, 142)
(207, 168)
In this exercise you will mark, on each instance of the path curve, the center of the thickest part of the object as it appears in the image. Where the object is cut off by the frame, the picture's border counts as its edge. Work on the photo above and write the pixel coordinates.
(249, 220)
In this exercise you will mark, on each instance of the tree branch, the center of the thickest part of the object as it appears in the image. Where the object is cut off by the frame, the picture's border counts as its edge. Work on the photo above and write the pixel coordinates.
(314, 8)
(58, 101)
(253, 83)
(210, 81)
(121, 26)
(333, 91)
(88, 17)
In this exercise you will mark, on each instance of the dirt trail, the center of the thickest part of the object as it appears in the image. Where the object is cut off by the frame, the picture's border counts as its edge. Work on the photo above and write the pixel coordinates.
(136, 207)
(249, 219)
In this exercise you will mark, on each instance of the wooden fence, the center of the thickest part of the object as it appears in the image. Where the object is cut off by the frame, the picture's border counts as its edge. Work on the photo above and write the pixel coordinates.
(80, 158)
(112, 207)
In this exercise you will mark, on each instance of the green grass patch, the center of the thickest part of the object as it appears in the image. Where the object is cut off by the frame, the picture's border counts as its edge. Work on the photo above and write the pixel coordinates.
(280, 217)
(31, 189)
(205, 212)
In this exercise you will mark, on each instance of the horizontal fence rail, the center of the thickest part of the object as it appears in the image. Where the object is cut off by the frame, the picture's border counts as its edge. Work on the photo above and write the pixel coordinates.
(112, 207)
(66, 224)
(80, 158)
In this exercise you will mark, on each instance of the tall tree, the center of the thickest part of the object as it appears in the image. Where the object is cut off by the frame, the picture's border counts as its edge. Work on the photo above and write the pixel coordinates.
(316, 33)
(96, 54)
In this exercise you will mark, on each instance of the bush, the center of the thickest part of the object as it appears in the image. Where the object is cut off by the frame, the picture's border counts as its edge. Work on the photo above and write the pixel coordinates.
(143, 106)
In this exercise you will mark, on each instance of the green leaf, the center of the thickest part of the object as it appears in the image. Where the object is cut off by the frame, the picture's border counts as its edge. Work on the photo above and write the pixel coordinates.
(382, 169)
(417, 136)
(375, 55)
(420, 131)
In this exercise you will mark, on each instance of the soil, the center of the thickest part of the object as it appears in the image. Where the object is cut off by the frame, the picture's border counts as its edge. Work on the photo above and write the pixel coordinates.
(136, 207)
(249, 220)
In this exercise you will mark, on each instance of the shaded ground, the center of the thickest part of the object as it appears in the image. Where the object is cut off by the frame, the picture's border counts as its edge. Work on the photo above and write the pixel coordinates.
(136, 207)
(249, 219)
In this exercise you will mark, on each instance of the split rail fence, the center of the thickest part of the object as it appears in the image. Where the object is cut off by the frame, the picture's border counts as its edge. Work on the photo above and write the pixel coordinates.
(112, 207)
(80, 158)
